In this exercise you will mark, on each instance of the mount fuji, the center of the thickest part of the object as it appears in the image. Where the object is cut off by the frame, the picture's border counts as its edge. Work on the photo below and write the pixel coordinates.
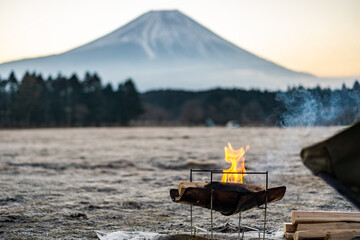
(165, 49)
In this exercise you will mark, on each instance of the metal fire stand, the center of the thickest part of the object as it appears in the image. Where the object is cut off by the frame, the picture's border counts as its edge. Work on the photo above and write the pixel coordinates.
(216, 171)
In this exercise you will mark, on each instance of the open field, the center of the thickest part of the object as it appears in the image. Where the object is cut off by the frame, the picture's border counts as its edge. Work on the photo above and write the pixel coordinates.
(68, 183)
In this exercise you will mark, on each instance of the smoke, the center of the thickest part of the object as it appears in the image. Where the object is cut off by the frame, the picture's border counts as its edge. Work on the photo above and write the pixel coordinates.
(300, 108)
(355, 97)
(305, 108)
(311, 107)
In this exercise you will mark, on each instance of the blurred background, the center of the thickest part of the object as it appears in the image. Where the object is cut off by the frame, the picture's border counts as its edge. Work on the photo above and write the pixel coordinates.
(111, 63)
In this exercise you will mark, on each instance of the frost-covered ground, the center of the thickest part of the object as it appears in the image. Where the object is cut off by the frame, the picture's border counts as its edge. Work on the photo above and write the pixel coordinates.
(69, 183)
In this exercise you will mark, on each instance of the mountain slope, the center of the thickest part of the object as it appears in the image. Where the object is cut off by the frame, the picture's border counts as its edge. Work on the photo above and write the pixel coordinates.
(165, 49)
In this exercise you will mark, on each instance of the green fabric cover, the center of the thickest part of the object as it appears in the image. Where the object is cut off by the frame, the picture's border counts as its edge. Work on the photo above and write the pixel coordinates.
(339, 156)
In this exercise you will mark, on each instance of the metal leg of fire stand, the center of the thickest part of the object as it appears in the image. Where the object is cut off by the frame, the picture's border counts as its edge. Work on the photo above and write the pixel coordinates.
(266, 199)
(211, 212)
(191, 221)
(211, 204)
(191, 210)
(239, 224)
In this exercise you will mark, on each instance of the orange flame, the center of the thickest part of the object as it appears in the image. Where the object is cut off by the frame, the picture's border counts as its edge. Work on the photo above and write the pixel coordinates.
(237, 160)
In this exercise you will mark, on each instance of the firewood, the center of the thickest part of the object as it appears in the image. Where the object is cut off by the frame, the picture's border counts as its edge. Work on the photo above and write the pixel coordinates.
(289, 235)
(318, 217)
(289, 230)
(185, 185)
(309, 234)
(327, 234)
(343, 235)
(327, 226)
(289, 227)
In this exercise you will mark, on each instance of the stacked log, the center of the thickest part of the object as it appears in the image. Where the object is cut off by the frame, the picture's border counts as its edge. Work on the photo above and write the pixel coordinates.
(323, 225)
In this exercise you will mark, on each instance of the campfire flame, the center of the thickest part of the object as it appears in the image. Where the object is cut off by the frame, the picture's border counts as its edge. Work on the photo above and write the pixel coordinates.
(237, 160)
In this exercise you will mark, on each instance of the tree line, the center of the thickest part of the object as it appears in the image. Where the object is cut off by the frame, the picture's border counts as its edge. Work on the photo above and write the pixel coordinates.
(61, 101)
(297, 106)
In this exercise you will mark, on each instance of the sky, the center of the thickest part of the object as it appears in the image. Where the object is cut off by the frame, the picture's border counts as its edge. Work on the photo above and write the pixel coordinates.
(321, 37)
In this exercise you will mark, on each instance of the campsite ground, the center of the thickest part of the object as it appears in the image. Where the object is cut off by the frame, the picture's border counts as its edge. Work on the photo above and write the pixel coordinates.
(69, 183)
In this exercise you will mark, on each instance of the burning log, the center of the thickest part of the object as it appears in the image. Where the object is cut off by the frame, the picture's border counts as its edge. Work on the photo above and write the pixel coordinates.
(228, 198)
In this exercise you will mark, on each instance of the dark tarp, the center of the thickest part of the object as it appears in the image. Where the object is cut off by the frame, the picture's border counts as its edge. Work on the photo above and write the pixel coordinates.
(337, 161)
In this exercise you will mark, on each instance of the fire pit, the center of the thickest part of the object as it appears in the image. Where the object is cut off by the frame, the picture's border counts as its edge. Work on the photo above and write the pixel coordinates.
(227, 198)
(231, 195)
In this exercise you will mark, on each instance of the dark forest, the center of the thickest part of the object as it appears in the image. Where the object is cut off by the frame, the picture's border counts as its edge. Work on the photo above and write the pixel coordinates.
(66, 102)
(35, 102)
(297, 106)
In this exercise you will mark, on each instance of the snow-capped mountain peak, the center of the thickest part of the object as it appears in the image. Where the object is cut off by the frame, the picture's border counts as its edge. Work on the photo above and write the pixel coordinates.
(165, 49)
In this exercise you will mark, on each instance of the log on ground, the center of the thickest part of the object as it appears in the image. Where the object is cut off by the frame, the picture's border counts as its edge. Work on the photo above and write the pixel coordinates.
(327, 226)
(318, 217)
(289, 235)
(289, 227)
(327, 234)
